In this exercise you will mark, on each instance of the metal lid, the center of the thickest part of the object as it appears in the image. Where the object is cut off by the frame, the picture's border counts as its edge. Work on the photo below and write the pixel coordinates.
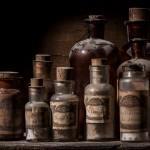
(95, 18)
(8, 74)
(36, 82)
(42, 57)
(64, 73)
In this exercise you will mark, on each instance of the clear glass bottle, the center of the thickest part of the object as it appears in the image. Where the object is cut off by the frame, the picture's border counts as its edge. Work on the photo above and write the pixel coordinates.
(133, 102)
(37, 113)
(99, 102)
(64, 107)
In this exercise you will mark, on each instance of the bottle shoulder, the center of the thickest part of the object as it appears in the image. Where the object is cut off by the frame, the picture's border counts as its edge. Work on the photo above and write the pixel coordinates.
(140, 61)
(36, 104)
(92, 43)
(96, 88)
(64, 97)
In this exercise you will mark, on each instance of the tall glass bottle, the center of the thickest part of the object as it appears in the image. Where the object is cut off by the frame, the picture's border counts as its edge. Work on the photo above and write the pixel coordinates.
(137, 27)
(99, 102)
(64, 107)
(80, 58)
(133, 100)
(37, 113)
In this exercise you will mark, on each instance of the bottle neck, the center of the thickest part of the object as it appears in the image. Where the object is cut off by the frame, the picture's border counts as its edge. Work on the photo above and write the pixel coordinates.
(134, 74)
(96, 30)
(64, 87)
(99, 74)
(138, 49)
(36, 93)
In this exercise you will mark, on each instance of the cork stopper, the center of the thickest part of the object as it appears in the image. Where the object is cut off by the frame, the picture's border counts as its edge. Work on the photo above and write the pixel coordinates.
(138, 14)
(64, 73)
(42, 57)
(8, 74)
(36, 82)
(98, 61)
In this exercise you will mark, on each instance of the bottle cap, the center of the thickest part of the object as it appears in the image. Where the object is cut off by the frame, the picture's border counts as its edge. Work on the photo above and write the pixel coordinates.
(98, 61)
(36, 82)
(42, 57)
(64, 73)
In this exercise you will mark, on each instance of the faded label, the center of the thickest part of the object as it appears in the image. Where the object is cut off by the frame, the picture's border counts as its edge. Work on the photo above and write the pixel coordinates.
(97, 108)
(38, 117)
(133, 111)
(64, 114)
(11, 112)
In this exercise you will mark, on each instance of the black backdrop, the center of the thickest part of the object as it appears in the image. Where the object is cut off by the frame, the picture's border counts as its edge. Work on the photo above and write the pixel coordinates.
(24, 23)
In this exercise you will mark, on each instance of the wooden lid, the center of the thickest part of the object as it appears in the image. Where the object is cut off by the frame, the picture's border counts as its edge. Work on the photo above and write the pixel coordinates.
(36, 82)
(64, 73)
(8, 74)
(42, 57)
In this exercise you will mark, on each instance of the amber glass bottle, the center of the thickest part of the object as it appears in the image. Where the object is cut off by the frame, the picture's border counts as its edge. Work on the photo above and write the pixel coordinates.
(80, 58)
(137, 27)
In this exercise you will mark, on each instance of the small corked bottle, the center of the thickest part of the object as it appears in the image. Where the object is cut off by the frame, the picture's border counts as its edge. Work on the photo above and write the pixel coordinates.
(37, 113)
(99, 100)
(133, 102)
(64, 107)
(42, 69)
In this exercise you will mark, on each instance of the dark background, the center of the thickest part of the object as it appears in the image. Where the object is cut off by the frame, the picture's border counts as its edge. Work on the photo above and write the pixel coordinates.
(53, 27)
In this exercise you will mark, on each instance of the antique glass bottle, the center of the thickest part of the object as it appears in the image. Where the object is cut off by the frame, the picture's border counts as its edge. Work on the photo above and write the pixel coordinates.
(137, 27)
(133, 100)
(64, 107)
(80, 58)
(41, 69)
(37, 113)
(99, 102)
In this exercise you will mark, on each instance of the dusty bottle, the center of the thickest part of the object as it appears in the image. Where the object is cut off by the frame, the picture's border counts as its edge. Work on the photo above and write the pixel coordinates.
(41, 69)
(138, 27)
(80, 58)
(64, 107)
(37, 113)
(133, 101)
(11, 106)
(99, 102)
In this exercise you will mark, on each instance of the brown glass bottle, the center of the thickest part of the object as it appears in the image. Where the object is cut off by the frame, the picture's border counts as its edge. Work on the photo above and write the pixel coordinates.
(81, 55)
(137, 27)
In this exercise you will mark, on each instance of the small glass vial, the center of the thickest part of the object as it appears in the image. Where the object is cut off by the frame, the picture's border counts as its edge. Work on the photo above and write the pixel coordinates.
(37, 113)
(99, 103)
(133, 102)
(64, 107)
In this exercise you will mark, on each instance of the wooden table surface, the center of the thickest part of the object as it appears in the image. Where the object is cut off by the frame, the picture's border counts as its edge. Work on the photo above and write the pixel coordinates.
(24, 145)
